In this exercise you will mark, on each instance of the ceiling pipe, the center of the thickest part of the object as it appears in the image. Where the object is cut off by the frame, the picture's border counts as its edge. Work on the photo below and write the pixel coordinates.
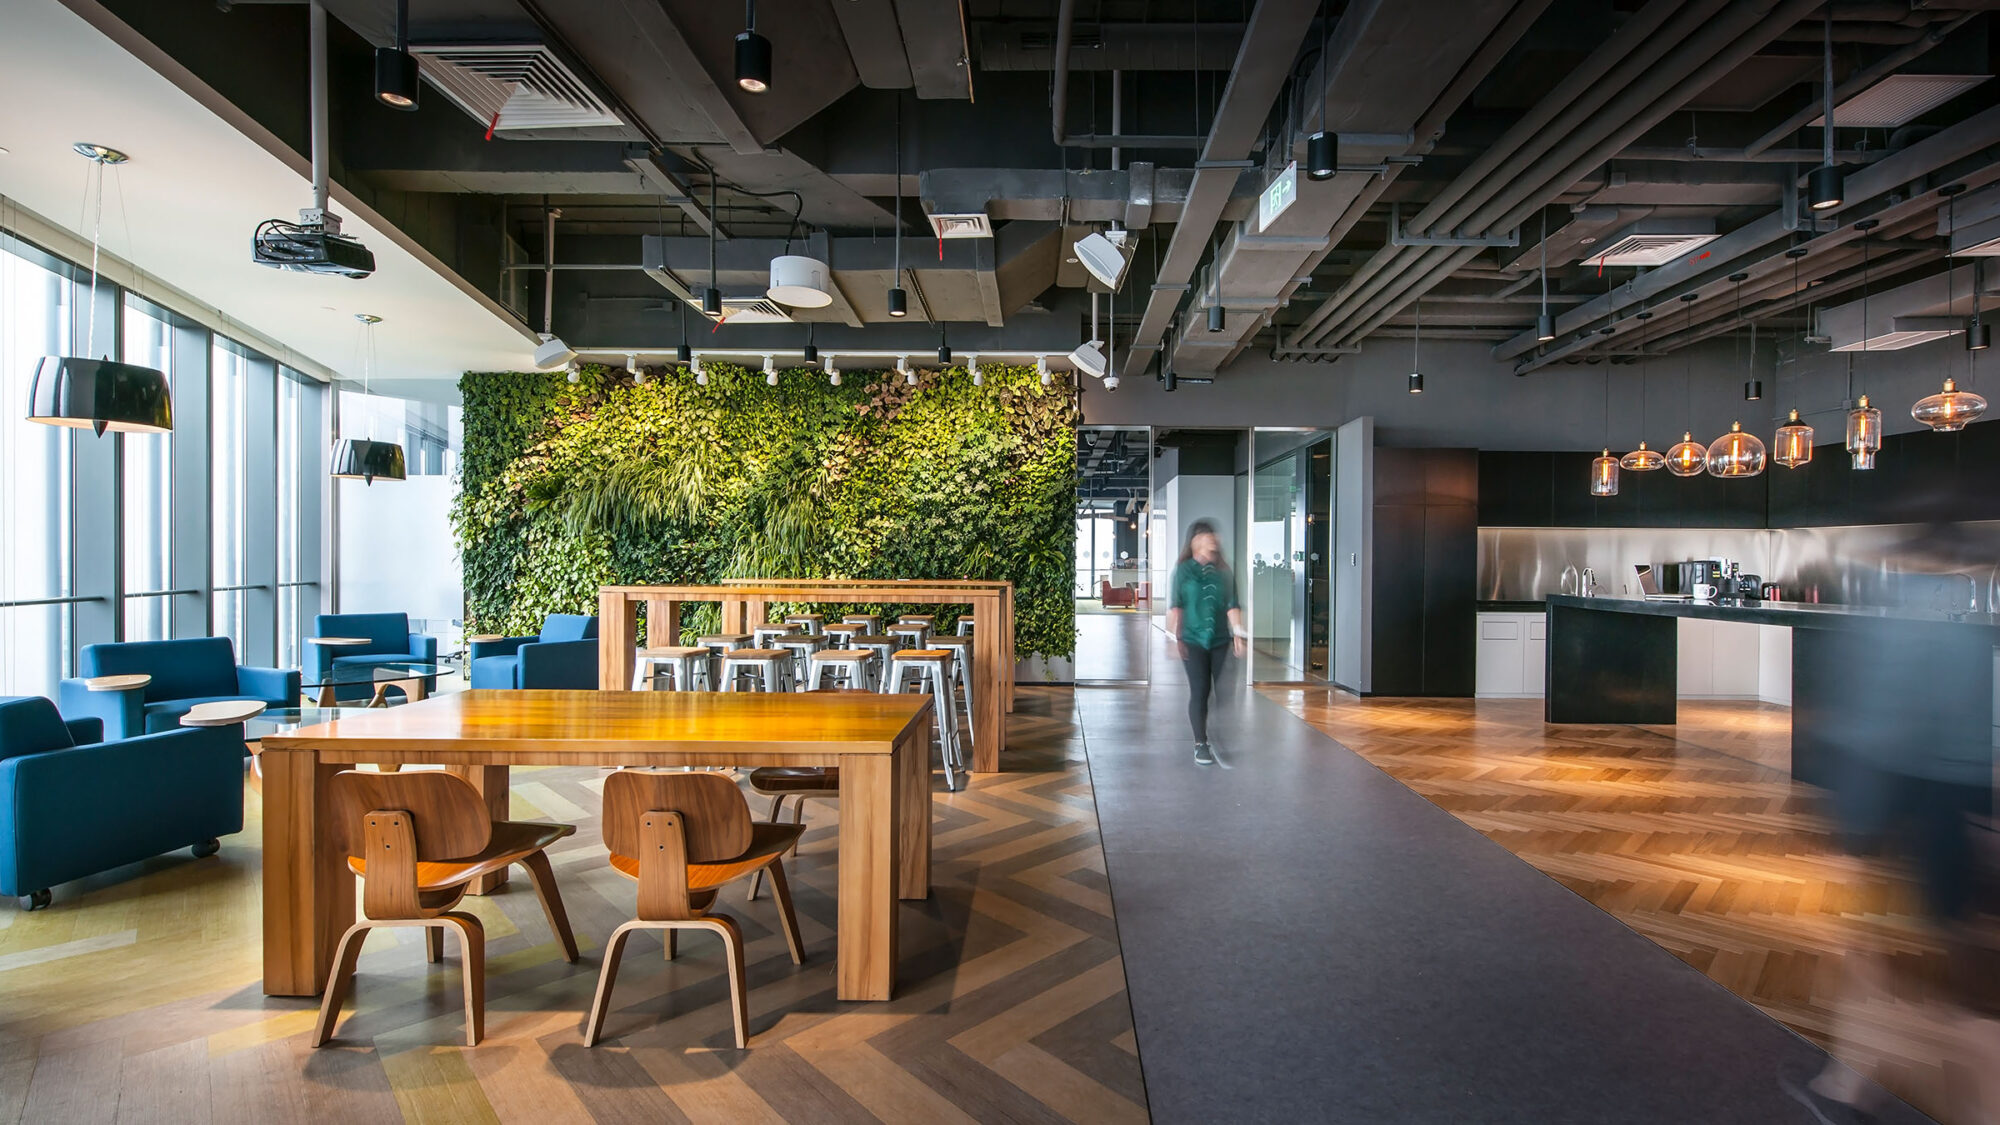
(1859, 81)
(1059, 100)
(1745, 247)
(1719, 46)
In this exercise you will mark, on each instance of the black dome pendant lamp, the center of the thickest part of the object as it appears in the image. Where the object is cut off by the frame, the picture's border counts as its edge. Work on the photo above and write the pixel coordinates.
(365, 459)
(100, 394)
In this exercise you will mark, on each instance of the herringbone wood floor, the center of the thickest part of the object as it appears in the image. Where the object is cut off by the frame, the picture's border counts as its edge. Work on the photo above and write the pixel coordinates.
(135, 997)
(1695, 836)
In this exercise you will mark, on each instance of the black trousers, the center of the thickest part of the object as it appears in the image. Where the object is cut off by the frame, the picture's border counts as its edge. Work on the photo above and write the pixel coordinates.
(1204, 672)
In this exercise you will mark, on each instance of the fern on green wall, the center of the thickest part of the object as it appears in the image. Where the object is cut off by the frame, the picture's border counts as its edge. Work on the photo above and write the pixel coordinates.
(565, 487)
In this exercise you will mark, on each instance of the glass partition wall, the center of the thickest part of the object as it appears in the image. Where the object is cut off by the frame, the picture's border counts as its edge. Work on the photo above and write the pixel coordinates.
(203, 531)
(1114, 528)
(1288, 571)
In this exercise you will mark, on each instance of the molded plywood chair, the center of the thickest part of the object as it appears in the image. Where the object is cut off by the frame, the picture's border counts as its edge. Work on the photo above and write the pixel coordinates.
(564, 656)
(182, 674)
(418, 840)
(683, 836)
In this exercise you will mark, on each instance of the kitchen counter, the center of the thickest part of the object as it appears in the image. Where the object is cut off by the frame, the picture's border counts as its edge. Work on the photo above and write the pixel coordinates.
(1523, 606)
(1811, 615)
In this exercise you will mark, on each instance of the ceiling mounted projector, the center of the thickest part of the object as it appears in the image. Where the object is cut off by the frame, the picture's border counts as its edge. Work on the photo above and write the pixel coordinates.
(1106, 254)
(553, 352)
(311, 245)
(800, 282)
(1089, 359)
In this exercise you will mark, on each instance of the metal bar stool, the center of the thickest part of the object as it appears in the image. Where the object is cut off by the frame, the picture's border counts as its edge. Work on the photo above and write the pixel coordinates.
(681, 664)
(801, 646)
(917, 633)
(872, 620)
(810, 622)
(965, 625)
(720, 645)
(838, 636)
(884, 648)
(927, 620)
(761, 636)
(961, 670)
(850, 667)
(772, 668)
(928, 670)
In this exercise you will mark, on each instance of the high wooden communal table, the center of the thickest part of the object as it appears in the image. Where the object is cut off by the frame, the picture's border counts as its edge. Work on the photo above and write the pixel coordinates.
(747, 603)
(880, 742)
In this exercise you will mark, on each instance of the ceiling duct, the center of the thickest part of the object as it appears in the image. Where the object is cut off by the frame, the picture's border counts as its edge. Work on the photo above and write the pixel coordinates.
(1898, 100)
(1653, 242)
(513, 87)
(974, 224)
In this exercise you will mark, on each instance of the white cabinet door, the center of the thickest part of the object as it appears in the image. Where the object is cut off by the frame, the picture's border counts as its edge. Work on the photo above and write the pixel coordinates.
(1733, 656)
(1534, 656)
(1697, 645)
(1497, 670)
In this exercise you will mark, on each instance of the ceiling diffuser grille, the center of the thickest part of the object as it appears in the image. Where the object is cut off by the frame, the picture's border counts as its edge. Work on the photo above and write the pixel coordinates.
(1646, 249)
(513, 87)
(752, 310)
(1899, 99)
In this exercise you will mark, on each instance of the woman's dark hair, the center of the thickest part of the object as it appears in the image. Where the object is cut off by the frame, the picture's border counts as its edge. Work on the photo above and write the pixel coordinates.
(1198, 527)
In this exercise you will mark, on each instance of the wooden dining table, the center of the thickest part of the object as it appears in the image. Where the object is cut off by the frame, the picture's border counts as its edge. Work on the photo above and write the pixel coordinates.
(747, 603)
(881, 744)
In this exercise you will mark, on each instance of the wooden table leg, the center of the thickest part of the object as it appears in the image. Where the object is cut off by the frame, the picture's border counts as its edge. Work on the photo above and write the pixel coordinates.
(308, 891)
(989, 722)
(913, 814)
(734, 616)
(492, 783)
(865, 964)
(1007, 641)
(617, 630)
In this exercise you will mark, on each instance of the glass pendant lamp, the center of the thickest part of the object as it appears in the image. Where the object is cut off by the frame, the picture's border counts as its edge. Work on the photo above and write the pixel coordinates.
(1642, 460)
(1604, 475)
(1736, 454)
(1950, 409)
(1864, 434)
(1792, 444)
(1687, 457)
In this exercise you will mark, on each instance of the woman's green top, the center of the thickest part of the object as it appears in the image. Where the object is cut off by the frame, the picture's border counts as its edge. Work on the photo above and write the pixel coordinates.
(1204, 593)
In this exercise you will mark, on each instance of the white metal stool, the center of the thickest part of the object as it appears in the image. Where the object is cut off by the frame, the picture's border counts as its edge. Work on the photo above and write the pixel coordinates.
(771, 667)
(961, 670)
(884, 648)
(872, 620)
(801, 646)
(838, 636)
(684, 665)
(916, 633)
(850, 667)
(928, 670)
(927, 620)
(720, 645)
(965, 625)
(761, 636)
(810, 622)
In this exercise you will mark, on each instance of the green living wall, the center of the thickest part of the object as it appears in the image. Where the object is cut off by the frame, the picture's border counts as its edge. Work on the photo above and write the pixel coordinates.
(565, 487)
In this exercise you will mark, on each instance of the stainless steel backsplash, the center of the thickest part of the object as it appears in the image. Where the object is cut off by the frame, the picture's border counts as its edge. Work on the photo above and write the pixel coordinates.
(1935, 566)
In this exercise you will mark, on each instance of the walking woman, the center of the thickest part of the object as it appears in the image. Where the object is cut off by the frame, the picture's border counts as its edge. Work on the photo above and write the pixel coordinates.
(1206, 623)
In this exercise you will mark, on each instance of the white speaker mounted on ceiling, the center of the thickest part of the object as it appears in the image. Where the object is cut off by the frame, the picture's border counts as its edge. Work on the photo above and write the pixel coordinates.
(1107, 255)
(552, 352)
(800, 281)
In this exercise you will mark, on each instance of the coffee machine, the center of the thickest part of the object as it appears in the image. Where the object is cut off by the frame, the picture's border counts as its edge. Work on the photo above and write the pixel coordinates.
(1682, 577)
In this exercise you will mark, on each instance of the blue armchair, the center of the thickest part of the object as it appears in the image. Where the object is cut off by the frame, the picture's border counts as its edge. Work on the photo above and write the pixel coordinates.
(185, 672)
(73, 805)
(389, 642)
(563, 657)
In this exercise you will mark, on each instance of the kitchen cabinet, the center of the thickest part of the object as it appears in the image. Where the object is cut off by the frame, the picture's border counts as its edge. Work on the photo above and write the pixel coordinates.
(1511, 653)
(1717, 659)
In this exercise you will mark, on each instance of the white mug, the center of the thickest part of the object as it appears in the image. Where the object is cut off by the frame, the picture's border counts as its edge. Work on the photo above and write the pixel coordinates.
(1703, 592)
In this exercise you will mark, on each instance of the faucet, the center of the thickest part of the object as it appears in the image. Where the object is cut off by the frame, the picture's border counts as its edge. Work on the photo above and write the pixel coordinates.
(1971, 601)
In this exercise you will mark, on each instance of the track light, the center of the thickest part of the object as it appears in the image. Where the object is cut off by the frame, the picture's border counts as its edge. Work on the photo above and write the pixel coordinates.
(1042, 369)
(575, 372)
(770, 371)
(753, 54)
(832, 372)
(1322, 156)
(899, 301)
(972, 365)
(700, 370)
(396, 68)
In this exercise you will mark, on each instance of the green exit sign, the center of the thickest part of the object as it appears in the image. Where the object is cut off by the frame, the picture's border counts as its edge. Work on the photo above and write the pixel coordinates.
(1279, 194)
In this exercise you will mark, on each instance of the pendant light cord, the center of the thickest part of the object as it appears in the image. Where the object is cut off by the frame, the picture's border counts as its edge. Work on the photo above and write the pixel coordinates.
(1826, 85)
(897, 234)
(1545, 262)
(1417, 337)
(96, 225)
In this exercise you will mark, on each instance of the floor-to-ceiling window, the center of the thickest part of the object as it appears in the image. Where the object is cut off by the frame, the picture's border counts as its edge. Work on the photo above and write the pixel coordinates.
(301, 440)
(229, 376)
(147, 488)
(37, 302)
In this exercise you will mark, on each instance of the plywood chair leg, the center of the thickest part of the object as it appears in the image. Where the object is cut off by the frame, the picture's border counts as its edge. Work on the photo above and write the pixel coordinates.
(472, 950)
(613, 949)
(777, 810)
(673, 943)
(732, 946)
(782, 891)
(337, 982)
(544, 878)
(434, 944)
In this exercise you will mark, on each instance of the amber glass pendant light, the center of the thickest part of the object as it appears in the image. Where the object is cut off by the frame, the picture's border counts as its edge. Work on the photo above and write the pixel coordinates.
(1642, 460)
(1604, 468)
(1688, 457)
(1793, 443)
(1736, 454)
(1951, 409)
(1864, 422)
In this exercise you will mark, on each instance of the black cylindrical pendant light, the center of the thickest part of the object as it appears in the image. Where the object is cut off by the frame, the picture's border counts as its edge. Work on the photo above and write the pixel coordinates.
(1322, 156)
(1215, 315)
(1416, 382)
(1753, 390)
(102, 395)
(367, 461)
(753, 54)
(683, 354)
(396, 67)
(899, 301)
(1825, 186)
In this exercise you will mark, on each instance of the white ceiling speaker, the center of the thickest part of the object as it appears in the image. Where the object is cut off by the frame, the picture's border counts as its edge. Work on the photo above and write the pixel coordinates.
(800, 282)
(1107, 255)
(1089, 359)
(552, 352)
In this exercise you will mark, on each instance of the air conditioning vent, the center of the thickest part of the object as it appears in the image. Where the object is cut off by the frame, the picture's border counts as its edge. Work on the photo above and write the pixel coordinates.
(513, 87)
(1652, 242)
(752, 310)
(1898, 100)
(972, 225)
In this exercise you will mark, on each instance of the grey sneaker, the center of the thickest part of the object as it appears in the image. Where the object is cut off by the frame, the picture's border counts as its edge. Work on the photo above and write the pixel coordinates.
(1204, 754)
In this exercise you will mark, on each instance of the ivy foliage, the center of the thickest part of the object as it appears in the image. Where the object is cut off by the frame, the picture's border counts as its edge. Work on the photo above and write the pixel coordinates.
(565, 487)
